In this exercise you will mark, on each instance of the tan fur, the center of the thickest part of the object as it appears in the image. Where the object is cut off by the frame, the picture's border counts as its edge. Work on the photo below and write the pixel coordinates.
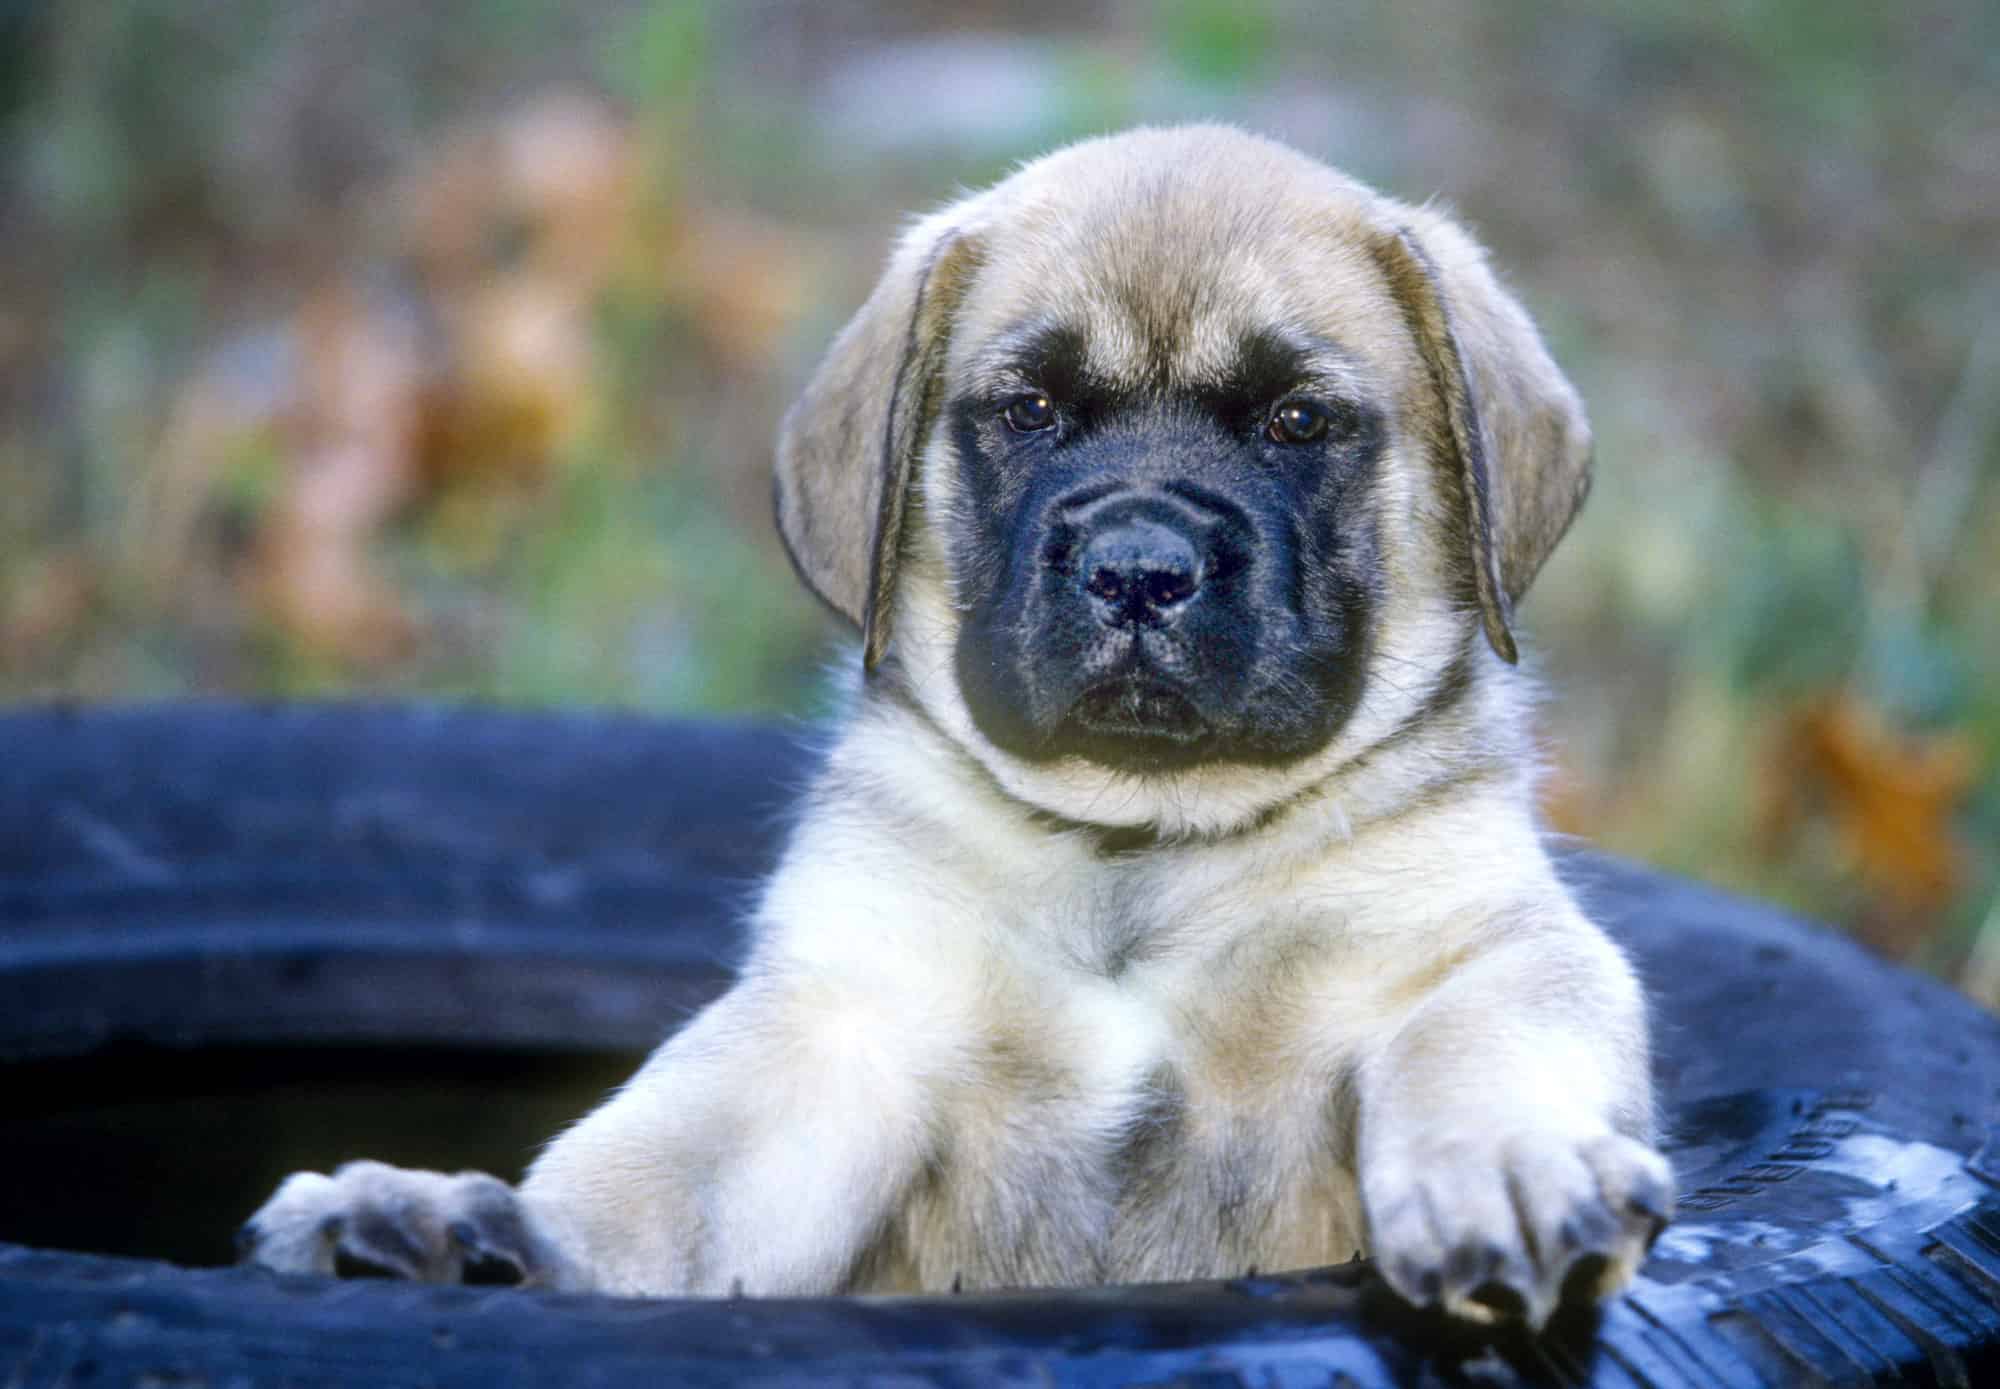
(1339, 1006)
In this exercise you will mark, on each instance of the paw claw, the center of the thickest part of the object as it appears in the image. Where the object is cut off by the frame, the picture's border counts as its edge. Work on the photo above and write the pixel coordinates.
(487, 1259)
(1474, 1262)
(1570, 1238)
(1416, 1283)
(1590, 1228)
(1649, 1200)
(380, 1238)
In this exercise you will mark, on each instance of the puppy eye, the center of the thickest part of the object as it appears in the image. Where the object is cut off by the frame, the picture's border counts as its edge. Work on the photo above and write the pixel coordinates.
(1030, 414)
(1299, 422)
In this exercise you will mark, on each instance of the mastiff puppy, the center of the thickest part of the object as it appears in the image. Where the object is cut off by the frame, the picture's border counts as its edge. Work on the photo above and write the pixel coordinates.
(1171, 903)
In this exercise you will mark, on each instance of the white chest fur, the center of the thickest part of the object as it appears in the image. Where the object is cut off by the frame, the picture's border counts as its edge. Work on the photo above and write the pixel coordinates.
(1159, 1115)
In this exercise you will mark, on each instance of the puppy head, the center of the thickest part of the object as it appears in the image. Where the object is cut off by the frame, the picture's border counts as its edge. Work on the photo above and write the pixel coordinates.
(1215, 456)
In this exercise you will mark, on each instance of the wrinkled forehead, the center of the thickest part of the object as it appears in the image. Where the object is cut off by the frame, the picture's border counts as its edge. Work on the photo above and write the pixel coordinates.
(1173, 285)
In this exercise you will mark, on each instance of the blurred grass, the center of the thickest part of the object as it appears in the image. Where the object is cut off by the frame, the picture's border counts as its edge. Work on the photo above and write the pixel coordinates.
(1759, 234)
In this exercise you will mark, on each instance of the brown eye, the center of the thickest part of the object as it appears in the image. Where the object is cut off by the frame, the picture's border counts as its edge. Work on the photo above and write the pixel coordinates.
(1299, 422)
(1030, 414)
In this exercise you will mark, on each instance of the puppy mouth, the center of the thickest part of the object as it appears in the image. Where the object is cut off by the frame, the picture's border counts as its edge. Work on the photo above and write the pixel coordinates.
(1136, 720)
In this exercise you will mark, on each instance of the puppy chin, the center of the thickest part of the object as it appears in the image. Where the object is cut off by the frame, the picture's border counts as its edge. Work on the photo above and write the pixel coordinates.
(1129, 724)
(1137, 725)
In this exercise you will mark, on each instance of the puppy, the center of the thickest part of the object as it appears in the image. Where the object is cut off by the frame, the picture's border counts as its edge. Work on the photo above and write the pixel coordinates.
(1171, 903)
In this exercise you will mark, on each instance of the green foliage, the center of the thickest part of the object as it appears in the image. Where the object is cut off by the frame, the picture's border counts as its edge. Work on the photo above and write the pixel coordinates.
(1222, 42)
(659, 58)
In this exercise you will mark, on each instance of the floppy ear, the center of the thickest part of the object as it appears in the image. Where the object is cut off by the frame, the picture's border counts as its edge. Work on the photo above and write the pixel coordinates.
(1511, 418)
(847, 448)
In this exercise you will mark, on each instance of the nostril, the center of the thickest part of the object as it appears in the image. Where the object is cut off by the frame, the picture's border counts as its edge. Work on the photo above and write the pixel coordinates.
(1105, 583)
(1165, 587)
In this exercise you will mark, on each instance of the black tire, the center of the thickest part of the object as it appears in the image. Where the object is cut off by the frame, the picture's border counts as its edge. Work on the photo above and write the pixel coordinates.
(219, 922)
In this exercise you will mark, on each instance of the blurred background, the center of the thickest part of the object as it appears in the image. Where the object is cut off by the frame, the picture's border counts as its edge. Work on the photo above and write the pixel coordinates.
(350, 347)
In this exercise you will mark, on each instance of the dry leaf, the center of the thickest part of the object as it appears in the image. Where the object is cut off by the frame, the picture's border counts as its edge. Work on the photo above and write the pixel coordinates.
(1891, 797)
(352, 464)
(44, 601)
(744, 281)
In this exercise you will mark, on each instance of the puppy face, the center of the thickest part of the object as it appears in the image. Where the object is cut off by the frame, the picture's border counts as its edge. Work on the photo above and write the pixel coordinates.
(1162, 562)
(1219, 457)
(1161, 477)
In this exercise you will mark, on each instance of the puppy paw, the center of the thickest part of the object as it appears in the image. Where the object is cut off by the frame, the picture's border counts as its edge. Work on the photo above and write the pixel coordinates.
(1491, 1231)
(372, 1219)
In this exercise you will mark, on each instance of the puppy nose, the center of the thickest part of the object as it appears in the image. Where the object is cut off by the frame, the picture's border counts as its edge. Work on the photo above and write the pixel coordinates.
(1138, 571)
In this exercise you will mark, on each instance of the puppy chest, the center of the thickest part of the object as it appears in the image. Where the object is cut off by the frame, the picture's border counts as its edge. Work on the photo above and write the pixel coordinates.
(1135, 1141)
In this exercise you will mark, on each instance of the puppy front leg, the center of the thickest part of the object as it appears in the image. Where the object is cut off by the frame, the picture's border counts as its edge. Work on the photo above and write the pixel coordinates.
(1505, 1145)
(760, 1149)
